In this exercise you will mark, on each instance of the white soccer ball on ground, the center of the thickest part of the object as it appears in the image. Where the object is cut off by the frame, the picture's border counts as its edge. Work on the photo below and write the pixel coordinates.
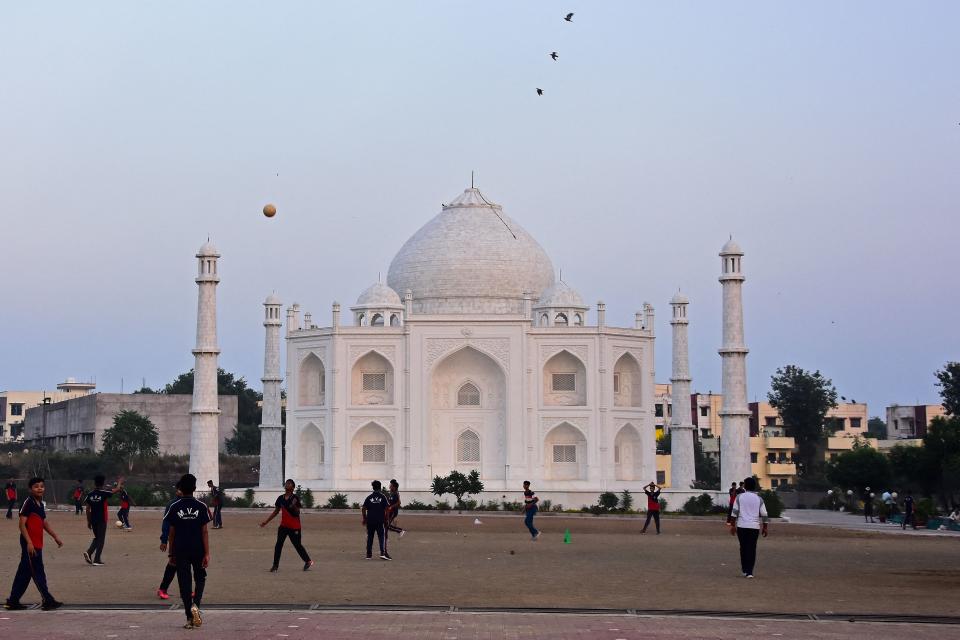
(119, 524)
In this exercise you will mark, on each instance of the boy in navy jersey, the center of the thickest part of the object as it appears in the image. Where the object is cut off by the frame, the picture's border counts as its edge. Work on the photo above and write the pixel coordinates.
(374, 514)
(189, 547)
(33, 522)
(393, 508)
(530, 509)
(288, 506)
(123, 514)
(97, 518)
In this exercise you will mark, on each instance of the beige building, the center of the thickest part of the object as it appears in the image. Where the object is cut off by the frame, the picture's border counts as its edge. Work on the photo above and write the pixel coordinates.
(906, 422)
(79, 423)
(14, 405)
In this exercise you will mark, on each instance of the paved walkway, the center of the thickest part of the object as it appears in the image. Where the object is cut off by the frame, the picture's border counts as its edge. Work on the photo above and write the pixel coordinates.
(427, 625)
(855, 522)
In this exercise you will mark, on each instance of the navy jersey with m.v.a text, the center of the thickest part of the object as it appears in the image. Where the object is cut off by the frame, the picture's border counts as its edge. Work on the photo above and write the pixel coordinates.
(187, 517)
(376, 506)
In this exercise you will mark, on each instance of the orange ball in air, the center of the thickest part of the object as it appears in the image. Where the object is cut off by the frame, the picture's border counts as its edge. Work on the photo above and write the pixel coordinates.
(269, 210)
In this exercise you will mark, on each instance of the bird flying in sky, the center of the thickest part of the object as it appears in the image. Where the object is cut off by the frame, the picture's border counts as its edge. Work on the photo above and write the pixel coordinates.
(569, 17)
(539, 91)
(553, 54)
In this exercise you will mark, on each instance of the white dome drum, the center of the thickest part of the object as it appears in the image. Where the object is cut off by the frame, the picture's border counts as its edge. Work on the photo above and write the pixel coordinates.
(471, 259)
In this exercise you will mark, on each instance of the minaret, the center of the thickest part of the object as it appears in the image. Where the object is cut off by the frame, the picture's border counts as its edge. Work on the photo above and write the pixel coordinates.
(271, 428)
(205, 414)
(735, 416)
(682, 468)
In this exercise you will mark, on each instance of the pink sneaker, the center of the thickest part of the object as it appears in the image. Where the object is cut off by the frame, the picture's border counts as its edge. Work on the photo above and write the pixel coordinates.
(163, 595)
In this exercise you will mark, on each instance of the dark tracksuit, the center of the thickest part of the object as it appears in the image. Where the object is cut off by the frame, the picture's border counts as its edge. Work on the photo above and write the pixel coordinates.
(123, 513)
(530, 501)
(393, 502)
(188, 517)
(216, 500)
(289, 528)
(97, 499)
(31, 567)
(169, 570)
(376, 506)
(653, 508)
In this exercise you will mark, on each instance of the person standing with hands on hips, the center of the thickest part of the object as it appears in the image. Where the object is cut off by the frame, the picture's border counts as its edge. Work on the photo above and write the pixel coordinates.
(749, 522)
(530, 509)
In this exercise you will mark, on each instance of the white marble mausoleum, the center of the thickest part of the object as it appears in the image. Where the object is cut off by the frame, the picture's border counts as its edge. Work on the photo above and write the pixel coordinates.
(473, 355)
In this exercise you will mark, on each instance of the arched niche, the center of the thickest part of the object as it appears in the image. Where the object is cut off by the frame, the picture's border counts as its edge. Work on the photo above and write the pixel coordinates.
(564, 381)
(628, 382)
(311, 381)
(565, 453)
(628, 453)
(371, 453)
(371, 380)
(310, 453)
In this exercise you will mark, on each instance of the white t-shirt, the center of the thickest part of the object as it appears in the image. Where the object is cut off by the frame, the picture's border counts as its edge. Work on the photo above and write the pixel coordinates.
(749, 510)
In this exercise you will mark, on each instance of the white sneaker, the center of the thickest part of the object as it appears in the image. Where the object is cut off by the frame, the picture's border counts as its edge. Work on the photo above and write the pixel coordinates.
(749, 576)
(403, 532)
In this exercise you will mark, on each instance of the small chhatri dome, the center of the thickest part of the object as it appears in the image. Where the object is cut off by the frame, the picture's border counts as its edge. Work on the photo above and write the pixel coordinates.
(562, 295)
(272, 299)
(731, 248)
(679, 299)
(470, 258)
(208, 251)
(379, 295)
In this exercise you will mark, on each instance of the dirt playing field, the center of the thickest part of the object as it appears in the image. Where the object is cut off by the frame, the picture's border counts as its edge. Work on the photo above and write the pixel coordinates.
(448, 560)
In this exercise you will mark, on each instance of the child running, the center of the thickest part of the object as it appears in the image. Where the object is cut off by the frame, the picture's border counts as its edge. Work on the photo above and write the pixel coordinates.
(189, 547)
(373, 514)
(530, 509)
(393, 509)
(169, 570)
(97, 518)
(123, 514)
(288, 506)
(33, 522)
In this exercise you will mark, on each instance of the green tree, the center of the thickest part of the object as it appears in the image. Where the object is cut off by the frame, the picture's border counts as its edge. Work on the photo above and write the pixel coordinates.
(248, 411)
(132, 436)
(942, 446)
(863, 466)
(706, 469)
(457, 485)
(144, 390)
(245, 440)
(877, 428)
(803, 399)
(912, 469)
(948, 379)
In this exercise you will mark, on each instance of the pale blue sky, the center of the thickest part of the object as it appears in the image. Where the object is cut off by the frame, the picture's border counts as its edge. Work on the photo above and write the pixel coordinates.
(823, 135)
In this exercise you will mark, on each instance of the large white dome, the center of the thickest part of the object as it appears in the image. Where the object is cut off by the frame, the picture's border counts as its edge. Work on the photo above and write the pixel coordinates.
(471, 258)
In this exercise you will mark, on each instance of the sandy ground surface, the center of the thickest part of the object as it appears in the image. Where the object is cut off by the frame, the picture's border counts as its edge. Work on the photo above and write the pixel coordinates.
(448, 560)
(298, 625)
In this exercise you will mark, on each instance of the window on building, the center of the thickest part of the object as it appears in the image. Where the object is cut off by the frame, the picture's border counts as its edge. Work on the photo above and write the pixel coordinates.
(705, 433)
(704, 411)
(564, 453)
(374, 381)
(560, 320)
(770, 421)
(468, 396)
(16, 409)
(564, 382)
(377, 320)
(658, 410)
(468, 447)
(577, 320)
(661, 477)
(375, 452)
(670, 410)
(856, 423)
(544, 320)
(774, 483)
(616, 383)
(753, 456)
(361, 320)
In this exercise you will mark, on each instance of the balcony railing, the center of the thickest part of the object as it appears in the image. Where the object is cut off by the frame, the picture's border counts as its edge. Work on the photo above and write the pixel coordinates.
(781, 469)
